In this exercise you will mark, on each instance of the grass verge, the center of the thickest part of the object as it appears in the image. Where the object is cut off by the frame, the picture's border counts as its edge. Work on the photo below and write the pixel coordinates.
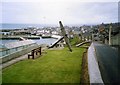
(57, 66)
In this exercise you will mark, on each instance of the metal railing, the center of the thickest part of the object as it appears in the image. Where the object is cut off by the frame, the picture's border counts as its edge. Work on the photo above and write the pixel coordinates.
(13, 50)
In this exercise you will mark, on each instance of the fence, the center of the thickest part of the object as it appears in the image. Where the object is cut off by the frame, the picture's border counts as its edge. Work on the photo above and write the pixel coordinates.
(17, 52)
(13, 50)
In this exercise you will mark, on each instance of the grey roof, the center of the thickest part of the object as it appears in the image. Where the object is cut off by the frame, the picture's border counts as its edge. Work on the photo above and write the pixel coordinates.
(86, 34)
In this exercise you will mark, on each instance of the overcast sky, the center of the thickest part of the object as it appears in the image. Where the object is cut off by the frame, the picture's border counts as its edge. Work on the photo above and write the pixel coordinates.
(52, 11)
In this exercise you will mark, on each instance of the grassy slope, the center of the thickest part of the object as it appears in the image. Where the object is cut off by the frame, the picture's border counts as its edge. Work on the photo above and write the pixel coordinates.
(57, 66)
(75, 40)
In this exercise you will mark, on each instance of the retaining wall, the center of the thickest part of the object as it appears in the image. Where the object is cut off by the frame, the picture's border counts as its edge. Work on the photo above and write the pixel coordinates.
(93, 68)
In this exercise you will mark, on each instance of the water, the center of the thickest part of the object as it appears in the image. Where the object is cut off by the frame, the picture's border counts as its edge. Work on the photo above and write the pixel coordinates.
(47, 41)
(6, 41)
(18, 26)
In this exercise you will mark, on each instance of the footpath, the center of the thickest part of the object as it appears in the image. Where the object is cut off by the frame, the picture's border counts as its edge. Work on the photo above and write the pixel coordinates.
(6, 64)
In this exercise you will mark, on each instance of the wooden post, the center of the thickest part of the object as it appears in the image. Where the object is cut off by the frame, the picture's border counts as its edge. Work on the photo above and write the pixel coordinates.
(110, 29)
(32, 54)
(40, 50)
(65, 36)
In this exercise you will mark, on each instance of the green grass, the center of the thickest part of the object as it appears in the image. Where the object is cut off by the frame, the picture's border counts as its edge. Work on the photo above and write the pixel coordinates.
(57, 66)
(75, 40)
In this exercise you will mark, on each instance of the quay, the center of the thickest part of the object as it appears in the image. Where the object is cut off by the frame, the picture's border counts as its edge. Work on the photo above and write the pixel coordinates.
(18, 37)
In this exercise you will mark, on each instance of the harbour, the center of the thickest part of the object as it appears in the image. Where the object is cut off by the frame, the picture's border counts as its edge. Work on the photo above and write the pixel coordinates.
(47, 41)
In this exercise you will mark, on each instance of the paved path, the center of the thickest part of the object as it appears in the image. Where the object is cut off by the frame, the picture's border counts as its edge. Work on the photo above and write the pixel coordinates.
(108, 61)
(13, 61)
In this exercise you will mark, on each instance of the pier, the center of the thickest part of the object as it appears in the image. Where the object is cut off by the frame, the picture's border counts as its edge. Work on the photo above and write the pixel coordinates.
(18, 37)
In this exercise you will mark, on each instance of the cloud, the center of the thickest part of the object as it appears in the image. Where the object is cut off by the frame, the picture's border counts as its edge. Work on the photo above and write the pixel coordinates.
(59, 0)
(50, 12)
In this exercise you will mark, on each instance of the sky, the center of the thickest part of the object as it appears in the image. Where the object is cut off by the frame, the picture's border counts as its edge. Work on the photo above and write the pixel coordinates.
(53, 11)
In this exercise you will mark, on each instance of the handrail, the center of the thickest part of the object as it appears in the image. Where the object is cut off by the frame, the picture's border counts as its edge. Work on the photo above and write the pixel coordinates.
(12, 50)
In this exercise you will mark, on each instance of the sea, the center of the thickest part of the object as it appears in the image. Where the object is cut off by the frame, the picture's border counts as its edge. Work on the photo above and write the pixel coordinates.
(47, 41)
(20, 26)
